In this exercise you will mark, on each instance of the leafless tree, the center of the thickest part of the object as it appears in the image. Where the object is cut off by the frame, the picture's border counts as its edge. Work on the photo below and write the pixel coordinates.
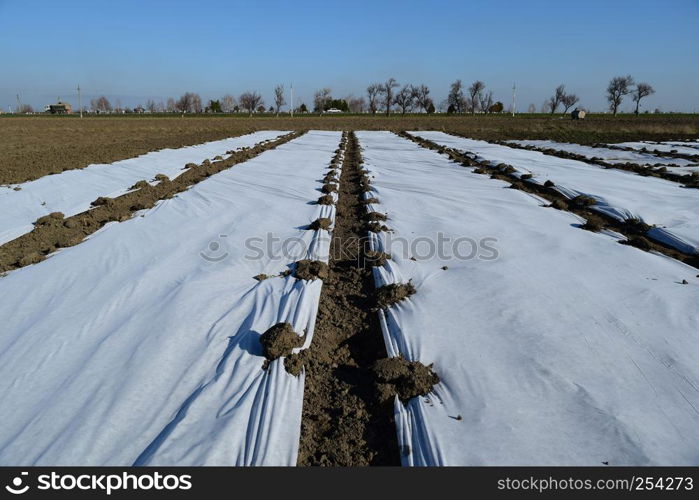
(250, 101)
(388, 95)
(161, 107)
(405, 98)
(373, 91)
(25, 109)
(228, 103)
(618, 87)
(101, 104)
(422, 97)
(642, 90)
(189, 102)
(356, 104)
(486, 101)
(556, 98)
(171, 105)
(545, 106)
(568, 101)
(183, 103)
(474, 93)
(118, 107)
(455, 99)
(531, 108)
(196, 103)
(151, 106)
(279, 100)
(321, 99)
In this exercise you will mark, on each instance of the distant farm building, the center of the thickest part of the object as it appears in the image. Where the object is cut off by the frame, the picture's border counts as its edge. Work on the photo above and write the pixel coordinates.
(578, 114)
(60, 108)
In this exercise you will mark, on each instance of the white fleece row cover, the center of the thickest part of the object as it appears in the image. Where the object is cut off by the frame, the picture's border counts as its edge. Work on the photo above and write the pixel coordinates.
(682, 147)
(611, 155)
(673, 209)
(141, 344)
(566, 349)
(72, 191)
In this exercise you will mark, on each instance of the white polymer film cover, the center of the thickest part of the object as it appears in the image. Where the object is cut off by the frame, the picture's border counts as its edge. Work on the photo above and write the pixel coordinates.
(72, 191)
(566, 349)
(610, 155)
(141, 344)
(670, 207)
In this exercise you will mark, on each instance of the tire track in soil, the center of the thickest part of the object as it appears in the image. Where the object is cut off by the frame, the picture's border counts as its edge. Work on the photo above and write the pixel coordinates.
(344, 422)
(53, 231)
(634, 231)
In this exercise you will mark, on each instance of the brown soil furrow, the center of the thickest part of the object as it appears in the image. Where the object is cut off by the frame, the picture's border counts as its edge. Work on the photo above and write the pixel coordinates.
(53, 232)
(634, 231)
(656, 152)
(344, 421)
(691, 179)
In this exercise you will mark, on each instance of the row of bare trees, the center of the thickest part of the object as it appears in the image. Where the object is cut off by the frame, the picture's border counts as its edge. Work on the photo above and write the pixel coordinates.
(621, 86)
(388, 96)
(385, 95)
(561, 98)
(471, 99)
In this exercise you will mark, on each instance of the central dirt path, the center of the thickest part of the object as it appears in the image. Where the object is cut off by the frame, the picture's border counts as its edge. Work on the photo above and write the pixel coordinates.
(343, 422)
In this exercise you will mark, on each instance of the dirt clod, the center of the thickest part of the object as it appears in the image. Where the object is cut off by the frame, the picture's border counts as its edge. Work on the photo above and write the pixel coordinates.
(406, 379)
(311, 270)
(320, 223)
(101, 201)
(376, 259)
(140, 185)
(559, 205)
(583, 200)
(592, 225)
(329, 188)
(279, 341)
(326, 199)
(393, 293)
(52, 218)
(375, 216)
(376, 227)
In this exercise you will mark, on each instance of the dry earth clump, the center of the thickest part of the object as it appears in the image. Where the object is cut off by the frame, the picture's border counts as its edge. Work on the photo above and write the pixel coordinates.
(326, 199)
(376, 259)
(320, 223)
(311, 270)
(280, 340)
(393, 293)
(405, 379)
(329, 188)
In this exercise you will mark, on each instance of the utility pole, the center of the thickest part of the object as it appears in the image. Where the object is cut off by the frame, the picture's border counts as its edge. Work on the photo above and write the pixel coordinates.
(514, 93)
(292, 100)
(80, 102)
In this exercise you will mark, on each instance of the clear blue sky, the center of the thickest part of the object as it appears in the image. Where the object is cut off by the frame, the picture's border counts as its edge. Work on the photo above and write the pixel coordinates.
(135, 50)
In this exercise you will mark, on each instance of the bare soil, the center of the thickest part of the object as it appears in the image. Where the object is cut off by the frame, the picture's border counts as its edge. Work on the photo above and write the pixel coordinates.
(34, 146)
(346, 422)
